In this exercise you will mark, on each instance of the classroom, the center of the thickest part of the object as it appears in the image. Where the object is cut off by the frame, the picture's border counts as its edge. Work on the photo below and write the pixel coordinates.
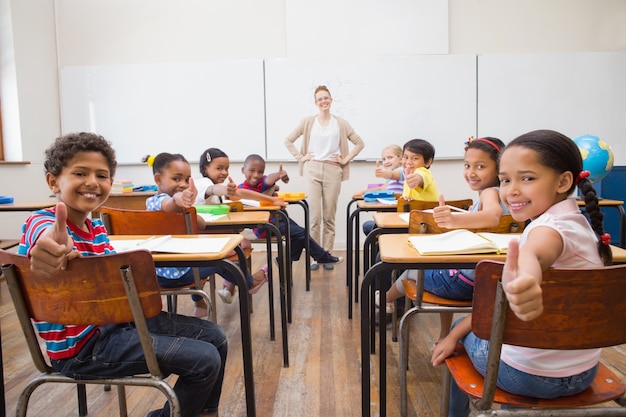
(68, 34)
(480, 68)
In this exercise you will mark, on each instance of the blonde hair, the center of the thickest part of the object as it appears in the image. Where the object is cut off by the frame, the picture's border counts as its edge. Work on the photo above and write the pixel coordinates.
(395, 149)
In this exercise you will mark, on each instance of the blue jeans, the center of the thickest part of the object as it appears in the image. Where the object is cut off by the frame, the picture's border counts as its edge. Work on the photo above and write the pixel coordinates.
(205, 271)
(513, 380)
(192, 348)
(297, 237)
(368, 226)
(447, 283)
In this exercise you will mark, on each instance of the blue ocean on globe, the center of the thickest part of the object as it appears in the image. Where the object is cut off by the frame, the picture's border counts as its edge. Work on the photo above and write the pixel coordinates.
(597, 156)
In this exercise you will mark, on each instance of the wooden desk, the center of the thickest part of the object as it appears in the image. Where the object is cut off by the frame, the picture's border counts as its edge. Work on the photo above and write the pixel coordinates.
(353, 238)
(260, 219)
(396, 253)
(218, 259)
(28, 205)
(129, 201)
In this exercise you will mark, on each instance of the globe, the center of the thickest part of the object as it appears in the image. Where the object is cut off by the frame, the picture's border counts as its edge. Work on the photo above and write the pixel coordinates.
(597, 156)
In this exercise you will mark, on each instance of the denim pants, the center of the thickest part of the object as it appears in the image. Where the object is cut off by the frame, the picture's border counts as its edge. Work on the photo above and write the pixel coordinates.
(449, 283)
(513, 380)
(297, 237)
(192, 348)
(205, 271)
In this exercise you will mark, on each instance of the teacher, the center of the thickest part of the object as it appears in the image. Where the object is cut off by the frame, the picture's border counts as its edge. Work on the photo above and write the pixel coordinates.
(324, 158)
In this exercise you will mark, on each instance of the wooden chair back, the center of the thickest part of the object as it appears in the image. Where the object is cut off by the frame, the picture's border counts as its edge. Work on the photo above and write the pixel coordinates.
(421, 222)
(144, 222)
(577, 302)
(583, 309)
(406, 206)
(92, 290)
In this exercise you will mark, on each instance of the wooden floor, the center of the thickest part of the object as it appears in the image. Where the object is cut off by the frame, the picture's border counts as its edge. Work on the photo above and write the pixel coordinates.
(323, 378)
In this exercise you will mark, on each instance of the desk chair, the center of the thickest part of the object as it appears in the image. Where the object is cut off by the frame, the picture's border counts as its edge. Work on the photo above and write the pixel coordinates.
(583, 309)
(142, 222)
(96, 290)
(426, 302)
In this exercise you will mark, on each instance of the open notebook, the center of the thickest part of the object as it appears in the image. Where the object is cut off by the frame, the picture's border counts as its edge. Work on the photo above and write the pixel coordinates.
(461, 241)
(171, 244)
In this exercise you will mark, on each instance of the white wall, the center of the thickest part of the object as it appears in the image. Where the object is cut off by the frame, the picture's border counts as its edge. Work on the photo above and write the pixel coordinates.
(49, 34)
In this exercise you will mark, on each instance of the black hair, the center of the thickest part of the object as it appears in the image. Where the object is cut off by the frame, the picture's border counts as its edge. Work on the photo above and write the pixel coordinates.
(67, 146)
(558, 152)
(208, 156)
(492, 146)
(253, 158)
(420, 147)
(163, 160)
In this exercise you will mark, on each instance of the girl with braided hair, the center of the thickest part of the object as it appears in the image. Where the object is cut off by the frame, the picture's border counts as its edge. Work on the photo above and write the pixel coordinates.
(539, 172)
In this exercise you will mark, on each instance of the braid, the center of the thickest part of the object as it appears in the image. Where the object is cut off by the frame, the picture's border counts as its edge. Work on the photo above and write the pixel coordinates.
(595, 217)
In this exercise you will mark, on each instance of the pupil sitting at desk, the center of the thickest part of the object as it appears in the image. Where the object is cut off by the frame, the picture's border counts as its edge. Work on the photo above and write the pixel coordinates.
(177, 192)
(253, 170)
(212, 187)
(79, 170)
(480, 171)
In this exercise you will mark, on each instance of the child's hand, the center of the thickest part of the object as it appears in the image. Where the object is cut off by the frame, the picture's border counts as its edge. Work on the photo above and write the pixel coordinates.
(412, 179)
(186, 198)
(444, 348)
(231, 188)
(379, 170)
(55, 247)
(307, 157)
(442, 214)
(522, 290)
(283, 174)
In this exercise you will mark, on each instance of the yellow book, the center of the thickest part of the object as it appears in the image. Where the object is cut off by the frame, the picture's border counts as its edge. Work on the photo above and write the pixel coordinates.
(461, 241)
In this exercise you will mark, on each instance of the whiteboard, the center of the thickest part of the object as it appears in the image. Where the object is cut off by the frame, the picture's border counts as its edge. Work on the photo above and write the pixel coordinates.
(168, 107)
(574, 93)
(387, 100)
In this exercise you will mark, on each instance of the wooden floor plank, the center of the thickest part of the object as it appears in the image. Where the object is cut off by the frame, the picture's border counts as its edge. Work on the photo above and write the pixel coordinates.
(324, 348)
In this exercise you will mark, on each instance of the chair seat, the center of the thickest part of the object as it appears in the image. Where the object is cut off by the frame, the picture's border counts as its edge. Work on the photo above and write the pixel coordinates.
(605, 387)
(410, 288)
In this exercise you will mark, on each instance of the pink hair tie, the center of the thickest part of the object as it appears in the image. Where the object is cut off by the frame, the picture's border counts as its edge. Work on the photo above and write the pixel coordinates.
(605, 238)
(582, 175)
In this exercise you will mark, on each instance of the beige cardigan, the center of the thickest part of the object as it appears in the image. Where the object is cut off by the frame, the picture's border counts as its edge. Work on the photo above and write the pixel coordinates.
(346, 133)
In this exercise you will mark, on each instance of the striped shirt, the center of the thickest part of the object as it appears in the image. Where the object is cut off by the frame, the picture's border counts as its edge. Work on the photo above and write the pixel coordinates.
(64, 341)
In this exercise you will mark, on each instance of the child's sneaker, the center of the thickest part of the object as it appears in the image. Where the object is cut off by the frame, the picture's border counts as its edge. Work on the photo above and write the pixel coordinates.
(315, 267)
(389, 307)
(327, 258)
(226, 295)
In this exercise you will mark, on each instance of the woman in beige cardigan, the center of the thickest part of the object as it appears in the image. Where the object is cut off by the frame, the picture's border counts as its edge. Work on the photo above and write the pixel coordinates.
(324, 158)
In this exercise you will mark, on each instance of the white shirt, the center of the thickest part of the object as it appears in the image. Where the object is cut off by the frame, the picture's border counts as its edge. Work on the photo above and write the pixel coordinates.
(324, 140)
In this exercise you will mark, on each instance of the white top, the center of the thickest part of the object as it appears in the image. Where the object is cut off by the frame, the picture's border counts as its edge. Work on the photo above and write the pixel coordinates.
(579, 251)
(201, 185)
(324, 140)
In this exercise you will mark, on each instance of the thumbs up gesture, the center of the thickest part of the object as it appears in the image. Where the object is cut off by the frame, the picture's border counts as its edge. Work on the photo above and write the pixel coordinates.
(380, 172)
(442, 214)
(54, 248)
(411, 178)
(522, 289)
(187, 197)
(283, 174)
(231, 188)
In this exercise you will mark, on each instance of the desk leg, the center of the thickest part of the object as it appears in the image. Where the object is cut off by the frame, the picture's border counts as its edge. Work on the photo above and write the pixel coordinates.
(2, 400)
(287, 259)
(246, 331)
(350, 261)
(283, 281)
(307, 246)
(349, 242)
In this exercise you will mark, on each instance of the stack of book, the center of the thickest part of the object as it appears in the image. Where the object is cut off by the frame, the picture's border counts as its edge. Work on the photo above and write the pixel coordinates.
(122, 186)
